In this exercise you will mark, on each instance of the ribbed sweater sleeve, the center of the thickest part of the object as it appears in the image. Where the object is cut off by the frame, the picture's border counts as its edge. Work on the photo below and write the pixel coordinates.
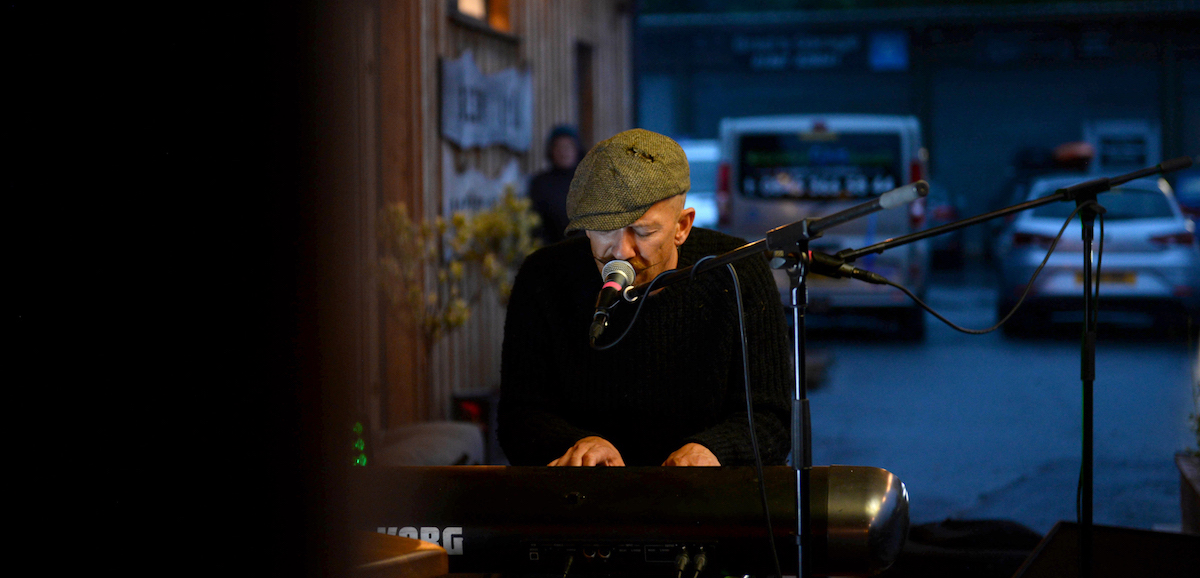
(769, 360)
(531, 429)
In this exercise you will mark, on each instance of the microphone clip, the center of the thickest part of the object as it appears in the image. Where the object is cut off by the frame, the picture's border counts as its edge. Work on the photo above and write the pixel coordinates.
(630, 294)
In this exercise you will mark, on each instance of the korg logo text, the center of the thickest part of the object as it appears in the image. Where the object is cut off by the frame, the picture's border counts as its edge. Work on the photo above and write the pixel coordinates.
(450, 537)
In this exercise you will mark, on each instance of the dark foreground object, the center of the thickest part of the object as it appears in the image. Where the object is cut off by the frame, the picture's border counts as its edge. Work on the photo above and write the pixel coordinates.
(975, 548)
(1003, 549)
(1118, 552)
(635, 520)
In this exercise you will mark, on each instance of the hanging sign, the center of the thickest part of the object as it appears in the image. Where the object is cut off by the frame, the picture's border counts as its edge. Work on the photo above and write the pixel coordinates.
(480, 110)
(471, 190)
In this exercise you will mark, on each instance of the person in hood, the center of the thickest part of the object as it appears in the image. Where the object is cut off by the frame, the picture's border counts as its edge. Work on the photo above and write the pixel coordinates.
(548, 189)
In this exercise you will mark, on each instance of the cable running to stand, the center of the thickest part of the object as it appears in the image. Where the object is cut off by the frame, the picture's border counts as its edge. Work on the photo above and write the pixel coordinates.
(1028, 287)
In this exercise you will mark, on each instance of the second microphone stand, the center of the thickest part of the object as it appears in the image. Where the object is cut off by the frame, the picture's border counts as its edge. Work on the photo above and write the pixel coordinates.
(1084, 195)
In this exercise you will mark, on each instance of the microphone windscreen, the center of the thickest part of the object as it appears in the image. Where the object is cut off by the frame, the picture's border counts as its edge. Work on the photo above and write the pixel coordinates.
(904, 195)
(622, 267)
(1175, 164)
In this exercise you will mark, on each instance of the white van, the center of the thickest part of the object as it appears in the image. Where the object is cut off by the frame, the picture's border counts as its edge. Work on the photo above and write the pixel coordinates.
(777, 170)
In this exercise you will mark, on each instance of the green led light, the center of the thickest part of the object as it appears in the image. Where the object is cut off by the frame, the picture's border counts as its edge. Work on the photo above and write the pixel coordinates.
(361, 460)
(358, 428)
(359, 444)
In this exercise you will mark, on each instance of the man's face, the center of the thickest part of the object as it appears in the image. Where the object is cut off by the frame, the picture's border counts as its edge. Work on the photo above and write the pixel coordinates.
(650, 243)
(563, 152)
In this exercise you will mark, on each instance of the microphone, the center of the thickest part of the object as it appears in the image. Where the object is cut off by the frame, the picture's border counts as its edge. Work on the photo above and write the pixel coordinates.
(617, 276)
(889, 199)
(785, 237)
(1175, 164)
(893, 198)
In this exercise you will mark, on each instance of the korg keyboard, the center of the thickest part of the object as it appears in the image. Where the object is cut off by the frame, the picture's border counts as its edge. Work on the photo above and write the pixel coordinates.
(636, 520)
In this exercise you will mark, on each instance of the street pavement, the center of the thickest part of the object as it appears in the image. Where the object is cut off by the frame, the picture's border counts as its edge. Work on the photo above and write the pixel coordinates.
(990, 427)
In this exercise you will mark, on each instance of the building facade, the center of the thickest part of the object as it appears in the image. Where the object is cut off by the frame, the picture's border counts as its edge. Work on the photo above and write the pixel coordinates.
(987, 82)
(570, 59)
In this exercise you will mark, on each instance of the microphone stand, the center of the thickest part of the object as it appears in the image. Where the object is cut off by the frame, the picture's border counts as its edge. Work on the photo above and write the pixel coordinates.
(789, 243)
(1084, 194)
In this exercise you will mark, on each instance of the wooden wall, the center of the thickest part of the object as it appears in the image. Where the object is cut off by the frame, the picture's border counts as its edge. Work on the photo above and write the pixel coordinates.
(404, 41)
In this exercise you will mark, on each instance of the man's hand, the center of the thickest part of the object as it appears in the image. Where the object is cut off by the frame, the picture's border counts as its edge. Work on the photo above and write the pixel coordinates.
(591, 451)
(692, 454)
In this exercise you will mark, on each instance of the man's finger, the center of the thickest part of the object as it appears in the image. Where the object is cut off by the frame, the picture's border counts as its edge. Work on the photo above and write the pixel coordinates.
(577, 457)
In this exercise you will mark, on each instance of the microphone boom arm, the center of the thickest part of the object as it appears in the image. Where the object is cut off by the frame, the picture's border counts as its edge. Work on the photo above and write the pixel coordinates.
(788, 237)
(633, 292)
(1070, 193)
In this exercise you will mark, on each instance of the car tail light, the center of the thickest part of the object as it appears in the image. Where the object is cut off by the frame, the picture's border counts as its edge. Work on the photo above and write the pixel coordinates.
(724, 216)
(1031, 240)
(1182, 239)
(945, 214)
(916, 210)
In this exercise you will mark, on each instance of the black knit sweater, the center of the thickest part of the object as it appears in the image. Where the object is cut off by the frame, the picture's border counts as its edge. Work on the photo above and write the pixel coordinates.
(675, 378)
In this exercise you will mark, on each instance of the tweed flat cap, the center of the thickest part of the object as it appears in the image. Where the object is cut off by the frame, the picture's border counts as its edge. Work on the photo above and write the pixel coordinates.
(620, 178)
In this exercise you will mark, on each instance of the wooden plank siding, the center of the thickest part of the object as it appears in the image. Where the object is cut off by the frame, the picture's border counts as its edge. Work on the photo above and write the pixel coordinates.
(404, 172)
(403, 154)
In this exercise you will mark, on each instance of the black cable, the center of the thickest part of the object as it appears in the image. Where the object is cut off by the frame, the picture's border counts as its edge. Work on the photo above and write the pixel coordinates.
(762, 483)
(642, 300)
(737, 291)
(1024, 294)
(636, 312)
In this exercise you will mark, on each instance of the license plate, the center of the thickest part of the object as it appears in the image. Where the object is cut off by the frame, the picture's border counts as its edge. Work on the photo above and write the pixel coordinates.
(1117, 278)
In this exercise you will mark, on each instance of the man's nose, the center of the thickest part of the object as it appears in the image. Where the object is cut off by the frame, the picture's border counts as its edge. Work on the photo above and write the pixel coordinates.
(625, 249)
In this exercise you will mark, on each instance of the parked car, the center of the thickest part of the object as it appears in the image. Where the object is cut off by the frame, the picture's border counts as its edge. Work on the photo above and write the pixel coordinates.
(1031, 163)
(1187, 192)
(777, 170)
(1150, 266)
(942, 208)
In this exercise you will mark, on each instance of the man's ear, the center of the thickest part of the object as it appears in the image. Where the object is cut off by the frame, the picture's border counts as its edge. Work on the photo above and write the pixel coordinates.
(684, 228)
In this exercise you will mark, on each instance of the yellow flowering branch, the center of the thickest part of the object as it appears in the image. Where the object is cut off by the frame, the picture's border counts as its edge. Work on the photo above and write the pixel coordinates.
(493, 241)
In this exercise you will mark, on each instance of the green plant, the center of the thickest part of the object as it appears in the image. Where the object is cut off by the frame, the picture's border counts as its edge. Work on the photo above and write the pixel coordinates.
(492, 242)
